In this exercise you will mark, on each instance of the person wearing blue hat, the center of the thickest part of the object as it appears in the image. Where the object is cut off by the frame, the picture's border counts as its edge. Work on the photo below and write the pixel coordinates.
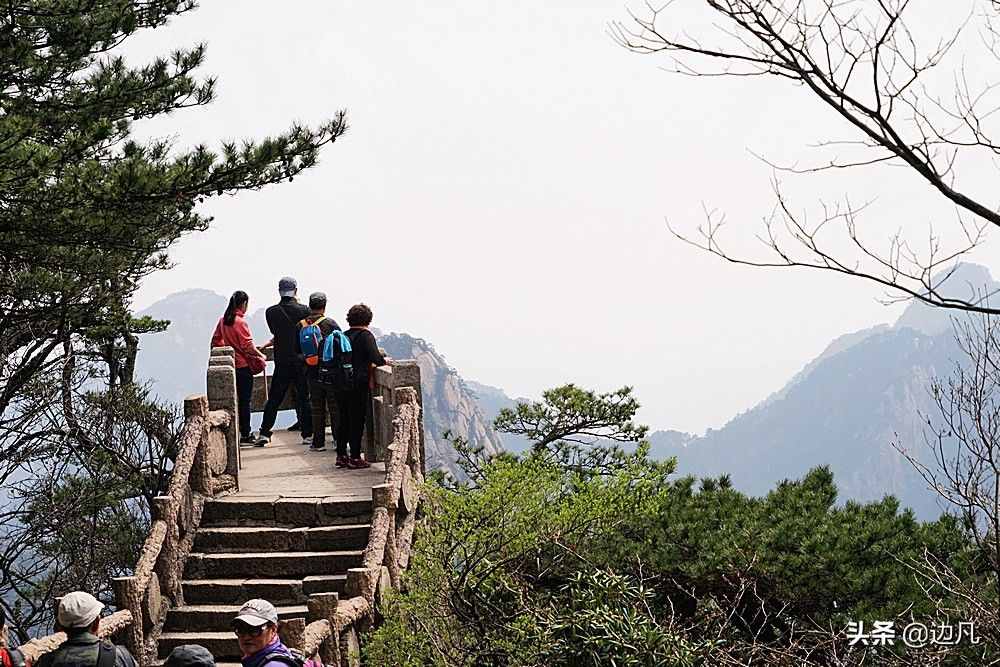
(283, 320)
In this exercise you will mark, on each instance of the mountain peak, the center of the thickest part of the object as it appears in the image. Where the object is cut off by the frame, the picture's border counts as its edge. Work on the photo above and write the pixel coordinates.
(971, 282)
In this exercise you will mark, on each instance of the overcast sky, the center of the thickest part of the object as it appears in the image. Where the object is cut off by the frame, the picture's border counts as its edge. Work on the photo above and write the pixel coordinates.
(507, 174)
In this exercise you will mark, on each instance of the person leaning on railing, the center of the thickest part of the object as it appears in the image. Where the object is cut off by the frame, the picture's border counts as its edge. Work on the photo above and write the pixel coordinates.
(79, 616)
(233, 330)
(353, 405)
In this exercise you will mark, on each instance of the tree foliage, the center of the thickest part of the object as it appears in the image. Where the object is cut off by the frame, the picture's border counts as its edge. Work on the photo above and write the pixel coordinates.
(86, 212)
(538, 560)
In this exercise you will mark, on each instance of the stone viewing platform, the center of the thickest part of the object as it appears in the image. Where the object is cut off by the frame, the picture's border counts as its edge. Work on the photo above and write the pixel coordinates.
(286, 468)
(280, 522)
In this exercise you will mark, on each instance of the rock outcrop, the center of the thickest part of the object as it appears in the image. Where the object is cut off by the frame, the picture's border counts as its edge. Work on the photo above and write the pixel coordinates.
(449, 405)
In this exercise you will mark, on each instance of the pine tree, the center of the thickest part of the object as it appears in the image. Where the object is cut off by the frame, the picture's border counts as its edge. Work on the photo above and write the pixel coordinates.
(86, 212)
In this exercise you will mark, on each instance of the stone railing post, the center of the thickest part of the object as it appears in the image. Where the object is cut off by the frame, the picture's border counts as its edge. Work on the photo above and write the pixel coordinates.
(406, 374)
(222, 396)
(128, 596)
(164, 506)
(201, 471)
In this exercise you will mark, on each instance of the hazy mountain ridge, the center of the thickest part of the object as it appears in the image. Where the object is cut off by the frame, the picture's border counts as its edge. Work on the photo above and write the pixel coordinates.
(866, 390)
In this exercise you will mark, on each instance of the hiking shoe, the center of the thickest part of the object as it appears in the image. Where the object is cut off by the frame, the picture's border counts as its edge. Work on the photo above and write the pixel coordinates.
(295, 427)
(307, 438)
(359, 462)
(342, 461)
(262, 440)
(248, 439)
(314, 448)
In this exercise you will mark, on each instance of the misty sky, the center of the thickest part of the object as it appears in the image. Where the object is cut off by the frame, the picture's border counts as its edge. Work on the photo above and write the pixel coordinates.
(508, 173)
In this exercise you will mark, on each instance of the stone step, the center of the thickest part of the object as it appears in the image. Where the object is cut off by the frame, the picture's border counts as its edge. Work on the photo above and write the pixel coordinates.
(286, 512)
(222, 645)
(277, 591)
(217, 617)
(280, 565)
(272, 538)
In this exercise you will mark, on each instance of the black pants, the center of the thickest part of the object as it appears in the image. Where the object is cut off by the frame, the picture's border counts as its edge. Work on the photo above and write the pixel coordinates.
(284, 377)
(353, 407)
(244, 389)
(323, 402)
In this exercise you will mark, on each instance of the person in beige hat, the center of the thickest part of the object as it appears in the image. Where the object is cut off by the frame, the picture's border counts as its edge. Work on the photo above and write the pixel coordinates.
(79, 616)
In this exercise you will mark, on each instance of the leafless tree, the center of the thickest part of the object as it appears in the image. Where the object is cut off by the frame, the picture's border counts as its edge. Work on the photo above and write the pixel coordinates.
(81, 459)
(964, 470)
(864, 63)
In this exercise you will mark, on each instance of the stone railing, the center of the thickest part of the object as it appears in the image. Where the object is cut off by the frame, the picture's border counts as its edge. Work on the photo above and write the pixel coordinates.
(337, 624)
(207, 464)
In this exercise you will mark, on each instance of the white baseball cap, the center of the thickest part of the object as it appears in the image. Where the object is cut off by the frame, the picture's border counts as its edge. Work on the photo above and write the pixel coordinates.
(257, 612)
(78, 610)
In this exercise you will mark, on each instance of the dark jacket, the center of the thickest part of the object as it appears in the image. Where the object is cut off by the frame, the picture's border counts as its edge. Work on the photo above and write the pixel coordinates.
(81, 651)
(364, 354)
(283, 320)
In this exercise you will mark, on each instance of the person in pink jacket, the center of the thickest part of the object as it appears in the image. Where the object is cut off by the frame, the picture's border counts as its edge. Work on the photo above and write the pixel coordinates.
(232, 330)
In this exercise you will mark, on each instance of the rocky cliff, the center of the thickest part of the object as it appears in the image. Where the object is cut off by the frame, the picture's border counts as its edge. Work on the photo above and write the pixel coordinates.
(449, 404)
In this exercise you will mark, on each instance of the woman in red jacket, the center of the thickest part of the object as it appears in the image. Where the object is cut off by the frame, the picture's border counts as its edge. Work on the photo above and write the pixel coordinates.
(232, 330)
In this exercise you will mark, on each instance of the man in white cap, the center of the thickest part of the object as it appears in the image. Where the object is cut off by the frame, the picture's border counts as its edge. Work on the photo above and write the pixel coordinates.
(256, 628)
(79, 616)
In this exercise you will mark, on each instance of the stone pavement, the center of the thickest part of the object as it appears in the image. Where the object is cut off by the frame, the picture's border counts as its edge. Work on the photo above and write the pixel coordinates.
(287, 468)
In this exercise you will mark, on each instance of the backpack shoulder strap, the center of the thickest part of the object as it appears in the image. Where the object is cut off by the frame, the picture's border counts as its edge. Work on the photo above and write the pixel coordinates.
(106, 654)
(284, 312)
(289, 660)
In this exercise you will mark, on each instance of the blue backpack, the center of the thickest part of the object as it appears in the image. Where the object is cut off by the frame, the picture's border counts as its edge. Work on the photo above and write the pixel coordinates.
(336, 367)
(310, 340)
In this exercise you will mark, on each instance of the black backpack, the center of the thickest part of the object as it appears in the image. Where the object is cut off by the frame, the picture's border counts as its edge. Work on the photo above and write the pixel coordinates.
(336, 363)
(106, 656)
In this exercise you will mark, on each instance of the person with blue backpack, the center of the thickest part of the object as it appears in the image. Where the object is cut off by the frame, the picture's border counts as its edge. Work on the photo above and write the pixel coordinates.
(314, 331)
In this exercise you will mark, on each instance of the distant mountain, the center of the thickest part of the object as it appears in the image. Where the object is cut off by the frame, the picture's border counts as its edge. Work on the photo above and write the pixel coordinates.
(844, 409)
(491, 401)
(175, 362)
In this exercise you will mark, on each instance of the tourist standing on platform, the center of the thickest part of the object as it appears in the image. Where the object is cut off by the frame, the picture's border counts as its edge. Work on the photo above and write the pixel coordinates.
(353, 404)
(321, 396)
(232, 330)
(79, 616)
(282, 320)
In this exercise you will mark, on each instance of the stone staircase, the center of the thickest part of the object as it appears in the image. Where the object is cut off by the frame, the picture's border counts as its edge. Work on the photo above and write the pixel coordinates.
(281, 550)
